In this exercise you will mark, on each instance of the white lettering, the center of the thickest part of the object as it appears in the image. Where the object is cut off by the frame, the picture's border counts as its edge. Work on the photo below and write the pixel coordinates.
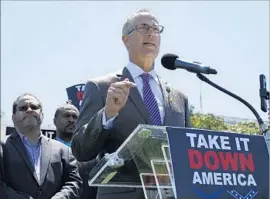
(191, 138)
(232, 179)
(49, 134)
(251, 181)
(238, 146)
(202, 142)
(196, 178)
(218, 179)
(213, 141)
(207, 179)
(245, 141)
(79, 87)
(210, 141)
(225, 143)
(227, 179)
(239, 178)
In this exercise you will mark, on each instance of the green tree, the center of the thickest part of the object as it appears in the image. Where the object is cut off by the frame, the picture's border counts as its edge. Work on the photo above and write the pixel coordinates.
(212, 122)
(245, 127)
(208, 121)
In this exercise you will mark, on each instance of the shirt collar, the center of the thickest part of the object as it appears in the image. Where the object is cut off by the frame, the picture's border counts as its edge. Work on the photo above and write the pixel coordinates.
(63, 141)
(135, 71)
(25, 139)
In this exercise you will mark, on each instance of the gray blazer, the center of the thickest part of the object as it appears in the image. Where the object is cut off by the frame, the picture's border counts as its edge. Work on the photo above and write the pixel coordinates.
(90, 138)
(59, 175)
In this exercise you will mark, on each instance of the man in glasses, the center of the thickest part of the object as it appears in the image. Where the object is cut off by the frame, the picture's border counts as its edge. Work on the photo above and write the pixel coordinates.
(114, 105)
(36, 166)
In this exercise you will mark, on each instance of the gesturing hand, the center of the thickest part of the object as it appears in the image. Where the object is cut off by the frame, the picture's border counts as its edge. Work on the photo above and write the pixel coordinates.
(117, 97)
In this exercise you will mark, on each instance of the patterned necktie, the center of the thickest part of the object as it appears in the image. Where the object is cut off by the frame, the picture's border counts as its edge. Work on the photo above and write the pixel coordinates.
(150, 101)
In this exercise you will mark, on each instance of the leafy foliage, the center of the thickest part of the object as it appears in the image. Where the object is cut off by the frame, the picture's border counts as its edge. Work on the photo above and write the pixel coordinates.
(208, 121)
(212, 122)
(245, 127)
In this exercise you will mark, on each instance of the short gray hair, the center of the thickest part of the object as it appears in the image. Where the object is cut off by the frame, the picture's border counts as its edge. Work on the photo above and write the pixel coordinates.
(15, 103)
(128, 24)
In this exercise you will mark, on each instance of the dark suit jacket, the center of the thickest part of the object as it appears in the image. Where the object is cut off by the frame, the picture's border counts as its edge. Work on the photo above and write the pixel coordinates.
(2, 184)
(84, 169)
(59, 175)
(91, 138)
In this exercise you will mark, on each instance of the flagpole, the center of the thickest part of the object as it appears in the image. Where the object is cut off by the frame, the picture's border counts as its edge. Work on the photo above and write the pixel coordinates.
(201, 104)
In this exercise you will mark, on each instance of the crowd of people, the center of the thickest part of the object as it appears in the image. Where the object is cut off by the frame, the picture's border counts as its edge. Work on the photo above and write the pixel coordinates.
(35, 166)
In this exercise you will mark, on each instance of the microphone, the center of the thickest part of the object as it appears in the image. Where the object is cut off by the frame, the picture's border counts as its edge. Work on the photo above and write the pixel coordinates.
(264, 94)
(171, 62)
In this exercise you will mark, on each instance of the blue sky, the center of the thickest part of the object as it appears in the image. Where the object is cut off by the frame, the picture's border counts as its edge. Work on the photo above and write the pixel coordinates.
(48, 46)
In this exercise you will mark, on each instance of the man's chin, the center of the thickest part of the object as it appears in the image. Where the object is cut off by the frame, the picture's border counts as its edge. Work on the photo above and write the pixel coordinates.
(69, 132)
(30, 127)
(30, 122)
(150, 54)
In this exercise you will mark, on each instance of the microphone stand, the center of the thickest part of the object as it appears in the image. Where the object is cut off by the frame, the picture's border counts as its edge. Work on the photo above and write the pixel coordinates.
(263, 127)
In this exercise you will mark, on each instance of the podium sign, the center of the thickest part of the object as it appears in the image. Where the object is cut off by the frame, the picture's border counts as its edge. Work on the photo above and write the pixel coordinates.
(185, 163)
(218, 165)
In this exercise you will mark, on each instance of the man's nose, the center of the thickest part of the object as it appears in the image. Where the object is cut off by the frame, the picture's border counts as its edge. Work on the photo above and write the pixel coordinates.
(71, 119)
(29, 109)
(151, 31)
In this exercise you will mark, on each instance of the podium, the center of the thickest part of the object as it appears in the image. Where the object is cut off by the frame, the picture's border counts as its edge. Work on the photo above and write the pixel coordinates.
(187, 163)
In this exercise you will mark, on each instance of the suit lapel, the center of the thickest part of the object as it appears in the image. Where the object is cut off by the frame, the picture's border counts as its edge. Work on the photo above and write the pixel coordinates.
(18, 144)
(166, 92)
(46, 150)
(136, 98)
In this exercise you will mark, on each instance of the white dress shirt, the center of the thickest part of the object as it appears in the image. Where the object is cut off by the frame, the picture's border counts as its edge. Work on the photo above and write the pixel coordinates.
(135, 72)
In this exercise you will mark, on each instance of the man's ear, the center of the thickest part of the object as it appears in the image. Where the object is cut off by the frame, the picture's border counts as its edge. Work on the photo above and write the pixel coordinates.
(13, 117)
(54, 121)
(125, 41)
(41, 117)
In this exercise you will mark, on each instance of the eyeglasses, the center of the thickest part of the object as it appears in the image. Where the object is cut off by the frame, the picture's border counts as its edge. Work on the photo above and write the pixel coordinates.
(144, 28)
(26, 107)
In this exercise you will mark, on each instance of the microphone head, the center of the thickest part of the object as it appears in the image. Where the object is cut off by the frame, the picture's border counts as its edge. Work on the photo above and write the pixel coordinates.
(168, 60)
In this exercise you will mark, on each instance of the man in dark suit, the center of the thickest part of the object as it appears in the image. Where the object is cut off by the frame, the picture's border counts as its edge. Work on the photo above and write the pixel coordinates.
(37, 167)
(2, 184)
(114, 105)
(64, 120)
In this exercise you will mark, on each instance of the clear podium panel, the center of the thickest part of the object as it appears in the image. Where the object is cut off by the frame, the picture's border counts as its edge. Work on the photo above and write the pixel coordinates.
(142, 161)
(267, 140)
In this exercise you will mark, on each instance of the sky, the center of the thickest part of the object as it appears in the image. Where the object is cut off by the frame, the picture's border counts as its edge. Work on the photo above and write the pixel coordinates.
(47, 46)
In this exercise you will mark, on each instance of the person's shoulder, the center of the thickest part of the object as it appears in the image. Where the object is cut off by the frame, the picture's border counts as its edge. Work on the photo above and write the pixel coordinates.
(111, 77)
(8, 138)
(58, 149)
(172, 90)
(103, 82)
(179, 93)
(56, 145)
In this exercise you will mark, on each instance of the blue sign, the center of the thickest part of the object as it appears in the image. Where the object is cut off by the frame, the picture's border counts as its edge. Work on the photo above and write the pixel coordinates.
(75, 94)
(219, 165)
